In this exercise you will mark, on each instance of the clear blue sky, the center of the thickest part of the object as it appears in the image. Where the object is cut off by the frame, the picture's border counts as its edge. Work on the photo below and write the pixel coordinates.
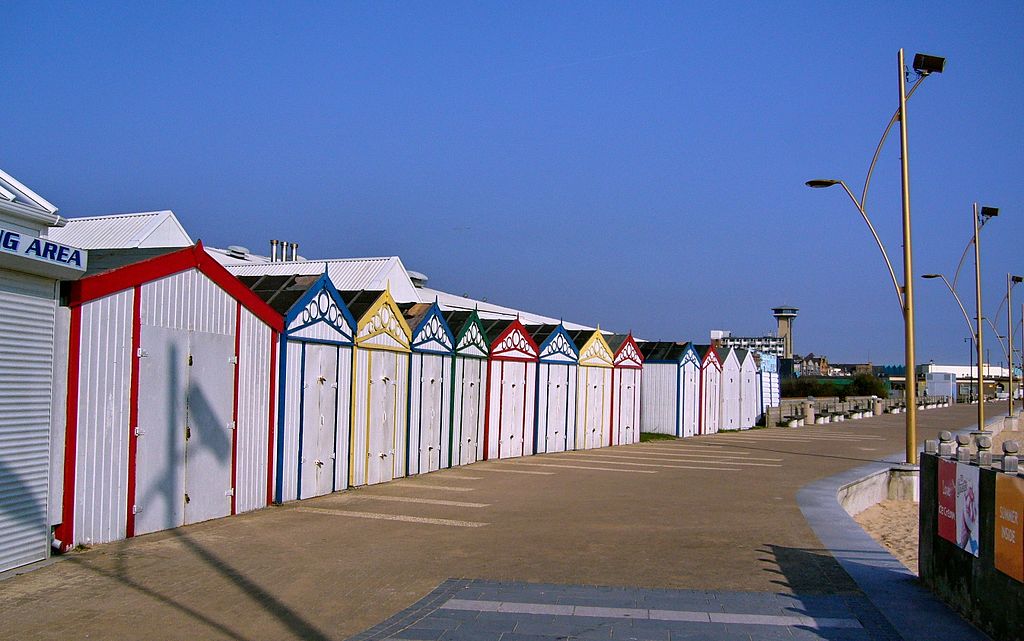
(637, 165)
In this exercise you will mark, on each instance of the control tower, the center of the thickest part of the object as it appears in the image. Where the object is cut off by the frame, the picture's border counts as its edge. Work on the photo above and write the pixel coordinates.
(785, 316)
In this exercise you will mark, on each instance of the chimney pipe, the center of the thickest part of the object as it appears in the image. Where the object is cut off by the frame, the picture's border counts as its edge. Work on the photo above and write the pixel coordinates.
(295, 251)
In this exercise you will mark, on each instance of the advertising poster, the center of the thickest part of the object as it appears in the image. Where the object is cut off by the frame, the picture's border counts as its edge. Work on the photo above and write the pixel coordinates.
(947, 500)
(967, 507)
(1009, 539)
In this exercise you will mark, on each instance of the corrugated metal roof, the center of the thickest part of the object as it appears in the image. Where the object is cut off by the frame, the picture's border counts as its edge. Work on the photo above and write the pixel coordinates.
(347, 274)
(123, 231)
(489, 310)
(11, 190)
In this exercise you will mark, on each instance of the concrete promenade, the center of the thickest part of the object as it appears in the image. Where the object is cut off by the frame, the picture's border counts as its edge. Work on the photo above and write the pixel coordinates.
(708, 528)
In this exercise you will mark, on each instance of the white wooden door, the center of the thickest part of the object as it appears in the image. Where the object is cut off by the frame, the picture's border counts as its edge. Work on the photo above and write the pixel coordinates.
(556, 410)
(690, 398)
(319, 420)
(208, 437)
(593, 407)
(383, 415)
(513, 401)
(626, 412)
(160, 452)
(470, 410)
(430, 412)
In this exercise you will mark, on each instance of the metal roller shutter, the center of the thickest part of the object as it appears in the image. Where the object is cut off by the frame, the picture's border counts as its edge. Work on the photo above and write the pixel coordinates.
(26, 369)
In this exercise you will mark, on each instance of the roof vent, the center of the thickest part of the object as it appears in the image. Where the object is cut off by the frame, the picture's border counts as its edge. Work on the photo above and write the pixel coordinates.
(237, 251)
(418, 279)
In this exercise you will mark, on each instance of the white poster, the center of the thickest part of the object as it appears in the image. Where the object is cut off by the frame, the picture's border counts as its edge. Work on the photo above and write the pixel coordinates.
(967, 507)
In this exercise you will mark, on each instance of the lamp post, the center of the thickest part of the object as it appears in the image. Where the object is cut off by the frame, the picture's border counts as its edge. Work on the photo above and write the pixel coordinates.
(979, 219)
(1011, 280)
(970, 359)
(924, 65)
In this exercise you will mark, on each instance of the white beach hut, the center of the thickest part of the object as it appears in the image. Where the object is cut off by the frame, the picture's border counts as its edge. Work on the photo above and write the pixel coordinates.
(557, 380)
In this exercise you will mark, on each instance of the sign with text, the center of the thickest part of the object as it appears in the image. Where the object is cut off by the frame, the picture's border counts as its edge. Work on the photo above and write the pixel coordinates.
(1009, 539)
(41, 249)
(947, 500)
(967, 507)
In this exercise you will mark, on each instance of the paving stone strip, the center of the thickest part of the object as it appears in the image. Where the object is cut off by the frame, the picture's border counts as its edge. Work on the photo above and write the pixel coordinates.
(479, 610)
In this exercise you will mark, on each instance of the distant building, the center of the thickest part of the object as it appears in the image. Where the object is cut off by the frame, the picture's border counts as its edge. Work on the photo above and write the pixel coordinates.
(765, 344)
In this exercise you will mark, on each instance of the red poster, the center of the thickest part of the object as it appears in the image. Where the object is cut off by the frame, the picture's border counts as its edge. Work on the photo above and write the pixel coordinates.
(947, 500)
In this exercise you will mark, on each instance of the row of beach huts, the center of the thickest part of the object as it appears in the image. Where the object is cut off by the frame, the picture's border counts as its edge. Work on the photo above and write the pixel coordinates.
(188, 383)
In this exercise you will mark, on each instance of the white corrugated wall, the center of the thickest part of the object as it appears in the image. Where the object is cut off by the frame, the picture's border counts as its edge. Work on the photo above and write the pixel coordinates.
(104, 375)
(26, 376)
(748, 394)
(658, 398)
(190, 301)
(254, 347)
(288, 457)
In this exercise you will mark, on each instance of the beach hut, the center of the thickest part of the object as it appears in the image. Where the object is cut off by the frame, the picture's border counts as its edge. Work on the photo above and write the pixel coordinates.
(626, 389)
(468, 387)
(767, 382)
(670, 395)
(430, 389)
(594, 392)
(511, 391)
(170, 393)
(729, 416)
(315, 389)
(557, 380)
(748, 389)
(709, 390)
(380, 388)
(33, 331)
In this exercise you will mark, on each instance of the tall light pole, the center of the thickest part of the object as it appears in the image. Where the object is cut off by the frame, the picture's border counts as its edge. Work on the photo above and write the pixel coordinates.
(924, 65)
(1011, 280)
(985, 214)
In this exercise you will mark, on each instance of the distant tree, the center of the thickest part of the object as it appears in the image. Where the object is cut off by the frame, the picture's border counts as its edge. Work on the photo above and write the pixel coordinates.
(804, 387)
(867, 385)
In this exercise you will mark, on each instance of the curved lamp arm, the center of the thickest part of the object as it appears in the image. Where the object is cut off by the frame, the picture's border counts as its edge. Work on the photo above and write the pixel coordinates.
(963, 310)
(878, 241)
(878, 150)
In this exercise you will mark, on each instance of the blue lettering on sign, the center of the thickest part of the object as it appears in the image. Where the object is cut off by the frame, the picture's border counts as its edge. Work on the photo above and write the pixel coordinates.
(10, 241)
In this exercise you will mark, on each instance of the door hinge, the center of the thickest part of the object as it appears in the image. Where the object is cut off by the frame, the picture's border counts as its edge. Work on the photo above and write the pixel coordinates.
(233, 360)
(187, 499)
(231, 425)
(188, 432)
(136, 509)
(139, 432)
(230, 492)
(141, 353)
(190, 360)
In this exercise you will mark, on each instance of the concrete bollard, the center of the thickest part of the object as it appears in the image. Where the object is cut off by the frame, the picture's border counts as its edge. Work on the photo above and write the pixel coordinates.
(984, 443)
(963, 450)
(878, 407)
(809, 413)
(931, 446)
(947, 447)
(1010, 459)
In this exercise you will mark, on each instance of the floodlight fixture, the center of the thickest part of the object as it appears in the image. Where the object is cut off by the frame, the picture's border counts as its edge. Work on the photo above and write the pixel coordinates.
(925, 64)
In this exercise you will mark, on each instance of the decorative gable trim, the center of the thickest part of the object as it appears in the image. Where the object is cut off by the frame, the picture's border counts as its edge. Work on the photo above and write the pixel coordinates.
(596, 353)
(321, 306)
(433, 334)
(629, 356)
(472, 341)
(559, 348)
(514, 344)
(383, 327)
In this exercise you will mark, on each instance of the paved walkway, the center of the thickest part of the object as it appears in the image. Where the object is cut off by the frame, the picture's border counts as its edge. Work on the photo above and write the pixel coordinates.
(712, 520)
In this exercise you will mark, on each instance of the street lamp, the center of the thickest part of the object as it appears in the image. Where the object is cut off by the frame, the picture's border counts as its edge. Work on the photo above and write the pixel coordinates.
(924, 65)
(979, 219)
(1011, 280)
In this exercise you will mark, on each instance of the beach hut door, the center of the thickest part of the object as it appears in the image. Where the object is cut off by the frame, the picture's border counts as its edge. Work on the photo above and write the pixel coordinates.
(627, 410)
(430, 413)
(472, 384)
(383, 414)
(319, 420)
(513, 399)
(208, 437)
(558, 393)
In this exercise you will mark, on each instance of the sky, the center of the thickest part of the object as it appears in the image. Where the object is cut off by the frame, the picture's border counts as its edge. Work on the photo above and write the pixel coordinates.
(635, 165)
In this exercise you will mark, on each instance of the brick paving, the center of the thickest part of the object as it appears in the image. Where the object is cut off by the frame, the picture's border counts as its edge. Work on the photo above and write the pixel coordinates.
(312, 570)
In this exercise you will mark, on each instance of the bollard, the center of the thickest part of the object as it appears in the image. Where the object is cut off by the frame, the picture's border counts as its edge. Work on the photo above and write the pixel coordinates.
(809, 413)
(946, 445)
(984, 443)
(878, 407)
(931, 446)
(1010, 460)
(963, 450)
